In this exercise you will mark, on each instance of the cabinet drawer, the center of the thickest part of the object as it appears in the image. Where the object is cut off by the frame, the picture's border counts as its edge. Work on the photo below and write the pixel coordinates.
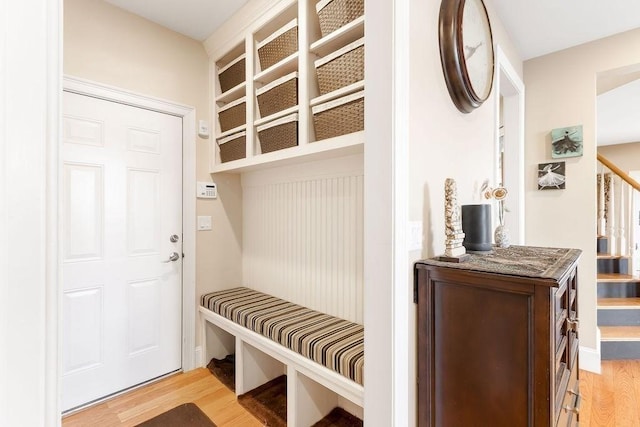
(560, 300)
(569, 410)
(573, 350)
(561, 328)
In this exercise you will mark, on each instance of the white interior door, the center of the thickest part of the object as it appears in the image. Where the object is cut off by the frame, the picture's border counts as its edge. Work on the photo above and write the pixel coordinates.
(121, 203)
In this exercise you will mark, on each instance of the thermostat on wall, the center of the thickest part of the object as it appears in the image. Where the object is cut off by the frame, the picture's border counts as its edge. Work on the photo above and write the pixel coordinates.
(207, 190)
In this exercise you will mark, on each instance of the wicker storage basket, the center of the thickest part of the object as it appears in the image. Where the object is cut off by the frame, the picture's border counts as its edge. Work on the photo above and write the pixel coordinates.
(279, 134)
(233, 147)
(334, 14)
(340, 116)
(232, 74)
(341, 68)
(279, 45)
(233, 114)
(278, 95)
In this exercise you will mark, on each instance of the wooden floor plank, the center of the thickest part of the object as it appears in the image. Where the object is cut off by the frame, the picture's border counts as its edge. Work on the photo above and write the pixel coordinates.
(609, 399)
(197, 386)
(626, 401)
(602, 406)
(586, 389)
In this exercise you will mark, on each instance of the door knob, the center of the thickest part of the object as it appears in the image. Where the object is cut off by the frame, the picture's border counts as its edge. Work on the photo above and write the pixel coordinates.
(173, 257)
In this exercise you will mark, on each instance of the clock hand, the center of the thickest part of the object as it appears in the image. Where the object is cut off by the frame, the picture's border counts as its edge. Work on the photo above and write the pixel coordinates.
(470, 50)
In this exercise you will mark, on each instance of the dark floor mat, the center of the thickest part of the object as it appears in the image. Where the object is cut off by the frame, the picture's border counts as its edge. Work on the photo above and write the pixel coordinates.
(339, 418)
(224, 370)
(268, 403)
(185, 415)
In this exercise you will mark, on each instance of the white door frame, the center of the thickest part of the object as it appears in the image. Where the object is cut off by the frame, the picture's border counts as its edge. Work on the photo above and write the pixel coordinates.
(188, 115)
(509, 84)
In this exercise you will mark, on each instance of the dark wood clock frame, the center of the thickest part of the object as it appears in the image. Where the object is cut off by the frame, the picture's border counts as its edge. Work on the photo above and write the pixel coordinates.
(452, 56)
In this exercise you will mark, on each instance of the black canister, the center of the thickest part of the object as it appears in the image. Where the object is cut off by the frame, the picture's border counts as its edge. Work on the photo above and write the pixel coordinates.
(476, 225)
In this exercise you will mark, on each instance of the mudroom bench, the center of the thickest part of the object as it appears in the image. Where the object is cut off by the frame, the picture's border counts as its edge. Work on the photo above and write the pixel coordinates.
(322, 355)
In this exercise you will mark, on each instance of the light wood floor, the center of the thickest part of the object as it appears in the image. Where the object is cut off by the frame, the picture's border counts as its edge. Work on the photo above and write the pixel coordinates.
(198, 386)
(609, 399)
(612, 398)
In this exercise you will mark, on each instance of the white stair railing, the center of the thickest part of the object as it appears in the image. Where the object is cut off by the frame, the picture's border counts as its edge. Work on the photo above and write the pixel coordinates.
(602, 225)
(615, 190)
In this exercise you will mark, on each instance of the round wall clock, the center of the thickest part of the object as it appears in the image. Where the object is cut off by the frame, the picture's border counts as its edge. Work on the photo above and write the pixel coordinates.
(466, 52)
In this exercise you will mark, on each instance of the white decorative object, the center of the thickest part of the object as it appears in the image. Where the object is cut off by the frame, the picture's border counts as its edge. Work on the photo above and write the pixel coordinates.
(501, 236)
(454, 251)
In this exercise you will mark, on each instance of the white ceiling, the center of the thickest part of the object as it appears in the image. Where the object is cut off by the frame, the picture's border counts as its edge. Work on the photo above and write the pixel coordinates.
(538, 27)
(197, 19)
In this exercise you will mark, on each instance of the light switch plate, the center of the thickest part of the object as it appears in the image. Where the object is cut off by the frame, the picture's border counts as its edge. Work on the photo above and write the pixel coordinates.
(204, 223)
(203, 129)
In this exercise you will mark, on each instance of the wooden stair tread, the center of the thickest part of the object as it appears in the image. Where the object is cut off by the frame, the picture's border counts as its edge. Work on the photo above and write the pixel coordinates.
(606, 255)
(616, 277)
(620, 333)
(618, 303)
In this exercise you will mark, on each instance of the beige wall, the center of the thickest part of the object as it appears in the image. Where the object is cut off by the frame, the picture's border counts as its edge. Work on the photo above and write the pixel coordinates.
(625, 156)
(108, 45)
(561, 91)
(443, 142)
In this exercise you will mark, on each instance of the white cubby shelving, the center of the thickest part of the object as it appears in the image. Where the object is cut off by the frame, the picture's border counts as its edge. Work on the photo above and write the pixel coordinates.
(311, 46)
(285, 66)
(351, 32)
(232, 94)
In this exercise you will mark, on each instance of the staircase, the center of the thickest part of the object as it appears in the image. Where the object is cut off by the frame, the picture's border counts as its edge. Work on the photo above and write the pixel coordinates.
(618, 289)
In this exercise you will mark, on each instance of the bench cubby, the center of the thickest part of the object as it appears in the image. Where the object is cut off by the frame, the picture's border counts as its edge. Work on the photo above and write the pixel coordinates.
(313, 390)
(254, 367)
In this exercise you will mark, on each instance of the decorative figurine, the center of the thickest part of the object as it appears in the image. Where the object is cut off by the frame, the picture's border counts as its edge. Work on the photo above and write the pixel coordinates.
(454, 251)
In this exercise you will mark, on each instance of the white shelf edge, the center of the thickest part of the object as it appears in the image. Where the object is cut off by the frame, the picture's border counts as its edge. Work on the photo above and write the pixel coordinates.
(343, 145)
(353, 26)
(231, 93)
(354, 87)
(231, 131)
(274, 116)
(264, 75)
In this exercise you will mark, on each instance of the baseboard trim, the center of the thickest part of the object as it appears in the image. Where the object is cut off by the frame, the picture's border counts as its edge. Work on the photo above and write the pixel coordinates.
(198, 357)
(590, 358)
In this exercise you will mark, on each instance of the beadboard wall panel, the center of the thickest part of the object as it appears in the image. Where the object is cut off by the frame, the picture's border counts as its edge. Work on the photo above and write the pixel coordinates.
(303, 235)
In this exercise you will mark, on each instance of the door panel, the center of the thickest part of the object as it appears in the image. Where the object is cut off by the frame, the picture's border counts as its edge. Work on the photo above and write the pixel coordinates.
(83, 209)
(121, 201)
(83, 324)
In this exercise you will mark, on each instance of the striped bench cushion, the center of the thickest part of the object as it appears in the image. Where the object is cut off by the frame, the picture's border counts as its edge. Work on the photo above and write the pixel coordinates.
(335, 343)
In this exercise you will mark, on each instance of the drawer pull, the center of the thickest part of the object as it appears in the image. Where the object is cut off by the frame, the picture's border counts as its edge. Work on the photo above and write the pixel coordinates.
(575, 393)
(573, 409)
(573, 323)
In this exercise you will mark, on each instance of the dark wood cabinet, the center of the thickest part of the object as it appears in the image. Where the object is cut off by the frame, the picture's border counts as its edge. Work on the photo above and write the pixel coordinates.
(498, 339)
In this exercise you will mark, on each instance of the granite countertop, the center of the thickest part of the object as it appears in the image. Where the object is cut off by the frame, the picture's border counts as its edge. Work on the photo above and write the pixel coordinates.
(526, 261)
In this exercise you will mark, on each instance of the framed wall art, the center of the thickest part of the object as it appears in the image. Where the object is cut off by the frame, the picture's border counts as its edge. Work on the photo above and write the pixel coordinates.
(551, 176)
(566, 142)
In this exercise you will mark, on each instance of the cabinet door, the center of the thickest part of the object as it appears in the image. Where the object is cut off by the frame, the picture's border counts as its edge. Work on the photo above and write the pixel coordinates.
(475, 345)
